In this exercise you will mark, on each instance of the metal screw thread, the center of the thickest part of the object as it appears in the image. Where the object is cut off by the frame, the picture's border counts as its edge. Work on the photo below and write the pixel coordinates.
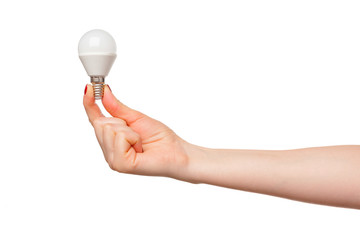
(98, 83)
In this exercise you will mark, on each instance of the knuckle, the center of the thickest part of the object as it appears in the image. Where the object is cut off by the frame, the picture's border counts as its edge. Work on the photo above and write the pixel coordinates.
(120, 133)
(137, 135)
(108, 126)
(96, 122)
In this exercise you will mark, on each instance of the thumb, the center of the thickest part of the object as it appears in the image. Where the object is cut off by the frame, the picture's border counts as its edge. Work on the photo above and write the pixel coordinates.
(118, 109)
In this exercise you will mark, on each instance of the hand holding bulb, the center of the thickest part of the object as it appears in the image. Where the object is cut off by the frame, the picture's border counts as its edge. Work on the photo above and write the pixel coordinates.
(130, 140)
(135, 143)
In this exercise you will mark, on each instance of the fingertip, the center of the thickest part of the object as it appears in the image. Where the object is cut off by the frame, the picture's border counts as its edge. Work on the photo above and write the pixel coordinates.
(90, 91)
(138, 147)
(88, 94)
(109, 100)
(107, 93)
(116, 108)
(91, 108)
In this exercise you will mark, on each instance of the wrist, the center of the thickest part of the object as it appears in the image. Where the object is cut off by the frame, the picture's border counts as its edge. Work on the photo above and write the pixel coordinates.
(197, 158)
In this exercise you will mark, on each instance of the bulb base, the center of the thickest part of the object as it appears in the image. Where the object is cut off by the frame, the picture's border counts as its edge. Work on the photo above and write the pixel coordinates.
(98, 83)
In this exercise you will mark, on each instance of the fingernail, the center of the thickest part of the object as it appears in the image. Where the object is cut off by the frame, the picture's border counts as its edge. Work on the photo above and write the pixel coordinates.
(109, 88)
(85, 89)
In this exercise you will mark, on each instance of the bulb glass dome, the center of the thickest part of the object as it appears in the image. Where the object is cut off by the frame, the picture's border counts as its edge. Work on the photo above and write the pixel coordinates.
(97, 42)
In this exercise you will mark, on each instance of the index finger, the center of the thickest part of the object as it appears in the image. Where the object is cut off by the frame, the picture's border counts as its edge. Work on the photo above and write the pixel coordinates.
(92, 109)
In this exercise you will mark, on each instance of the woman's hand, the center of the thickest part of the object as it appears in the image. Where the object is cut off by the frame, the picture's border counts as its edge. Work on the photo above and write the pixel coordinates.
(133, 142)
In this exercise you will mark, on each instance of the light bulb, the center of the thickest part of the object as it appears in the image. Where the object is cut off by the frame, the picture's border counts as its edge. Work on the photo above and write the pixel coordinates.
(97, 52)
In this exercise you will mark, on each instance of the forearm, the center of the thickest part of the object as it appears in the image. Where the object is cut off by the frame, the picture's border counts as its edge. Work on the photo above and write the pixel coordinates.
(326, 175)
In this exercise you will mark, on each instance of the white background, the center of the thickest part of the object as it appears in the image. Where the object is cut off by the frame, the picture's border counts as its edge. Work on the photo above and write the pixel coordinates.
(221, 74)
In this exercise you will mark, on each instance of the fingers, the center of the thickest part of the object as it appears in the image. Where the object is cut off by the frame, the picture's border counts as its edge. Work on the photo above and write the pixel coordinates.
(127, 146)
(91, 108)
(120, 144)
(101, 123)
(108, 142)
(126, 140)
(118, 109)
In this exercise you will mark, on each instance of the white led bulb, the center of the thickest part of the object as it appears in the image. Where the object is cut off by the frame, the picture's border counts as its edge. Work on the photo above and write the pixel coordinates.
(97, 52)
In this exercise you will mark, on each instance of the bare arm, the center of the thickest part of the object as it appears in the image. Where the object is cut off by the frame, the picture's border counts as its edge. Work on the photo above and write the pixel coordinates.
(135, 143)
(323, 175)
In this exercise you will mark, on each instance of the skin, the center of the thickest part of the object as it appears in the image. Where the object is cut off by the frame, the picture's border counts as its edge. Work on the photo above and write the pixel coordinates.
(137, 144)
